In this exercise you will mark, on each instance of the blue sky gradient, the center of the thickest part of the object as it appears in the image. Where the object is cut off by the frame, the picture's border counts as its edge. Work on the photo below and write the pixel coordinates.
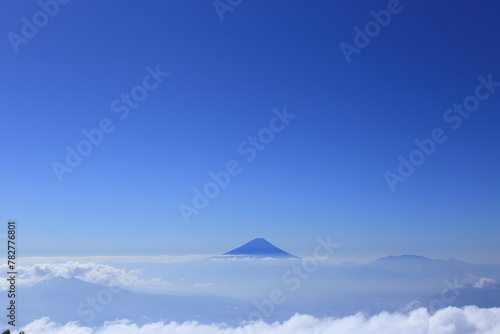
(322, 175)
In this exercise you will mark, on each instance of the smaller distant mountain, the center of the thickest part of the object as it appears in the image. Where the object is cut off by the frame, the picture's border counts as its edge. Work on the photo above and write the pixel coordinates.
(426, 267)
(261, 248)
(415, 259)
(404, 258)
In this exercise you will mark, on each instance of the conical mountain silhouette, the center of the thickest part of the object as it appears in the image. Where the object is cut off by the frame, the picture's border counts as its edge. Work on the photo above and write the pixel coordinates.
(260, 247)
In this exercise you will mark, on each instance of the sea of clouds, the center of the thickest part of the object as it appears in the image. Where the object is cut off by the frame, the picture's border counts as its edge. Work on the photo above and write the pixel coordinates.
(451, 320)
(89, 272)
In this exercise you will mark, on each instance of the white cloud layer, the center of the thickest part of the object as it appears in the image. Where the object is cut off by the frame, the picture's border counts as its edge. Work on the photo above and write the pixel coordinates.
(201, 285)
(88, 272)
(451, 320)
(484, 282)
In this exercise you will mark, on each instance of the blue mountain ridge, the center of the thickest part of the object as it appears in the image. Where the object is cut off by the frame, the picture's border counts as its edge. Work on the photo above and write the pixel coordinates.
(260, 247)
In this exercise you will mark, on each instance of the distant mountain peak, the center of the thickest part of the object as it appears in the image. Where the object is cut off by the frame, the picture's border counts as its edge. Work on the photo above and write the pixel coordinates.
(260, 247)
(404, 257)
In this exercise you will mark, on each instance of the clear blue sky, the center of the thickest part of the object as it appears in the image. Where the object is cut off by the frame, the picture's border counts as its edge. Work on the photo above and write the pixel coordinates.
(323, 174)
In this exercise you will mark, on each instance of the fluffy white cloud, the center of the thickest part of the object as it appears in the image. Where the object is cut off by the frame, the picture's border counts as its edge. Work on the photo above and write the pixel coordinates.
(484, 282)
(244, 258)
(451, 320)
(89, 272)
